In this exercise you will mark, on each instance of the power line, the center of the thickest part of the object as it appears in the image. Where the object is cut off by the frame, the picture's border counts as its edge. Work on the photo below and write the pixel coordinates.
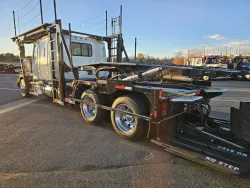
(30, 20)
(18, 22)
(93, 17)
(25, 5)
(29, 11)
(95, 24)
(98, 30)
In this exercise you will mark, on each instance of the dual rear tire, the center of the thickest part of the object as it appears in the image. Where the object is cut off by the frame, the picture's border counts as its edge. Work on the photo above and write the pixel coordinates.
(125, 125)
(91, 113)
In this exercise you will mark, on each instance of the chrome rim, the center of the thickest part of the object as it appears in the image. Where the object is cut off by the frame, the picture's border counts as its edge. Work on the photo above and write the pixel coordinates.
(89, 110)
(205, 78)
(22, 87)
(125, 122)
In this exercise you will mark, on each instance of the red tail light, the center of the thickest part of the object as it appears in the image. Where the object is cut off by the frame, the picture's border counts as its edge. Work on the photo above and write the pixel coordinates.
(197, 93)
(160, 94)
(164, 109)
(119, 87)
(155, 114)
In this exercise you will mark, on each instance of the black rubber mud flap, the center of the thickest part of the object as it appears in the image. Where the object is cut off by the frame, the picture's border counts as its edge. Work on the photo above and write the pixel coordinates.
(235, 121)
(245, 120)
(240, 121)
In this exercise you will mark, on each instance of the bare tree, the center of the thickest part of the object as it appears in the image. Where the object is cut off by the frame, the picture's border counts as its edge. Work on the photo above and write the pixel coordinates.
(178, 59)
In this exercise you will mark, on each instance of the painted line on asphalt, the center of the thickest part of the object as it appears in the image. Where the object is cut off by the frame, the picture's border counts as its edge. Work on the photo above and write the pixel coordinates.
(231, 85)
(8, 75)
(9, 81)
(238, 89)
(16, 104)
(9, 89)
(229, 100)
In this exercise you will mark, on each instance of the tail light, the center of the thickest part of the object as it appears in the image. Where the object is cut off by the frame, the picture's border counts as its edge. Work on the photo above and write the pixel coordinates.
(164, 108)
(155, 114)
(197, 93)
(160, 94)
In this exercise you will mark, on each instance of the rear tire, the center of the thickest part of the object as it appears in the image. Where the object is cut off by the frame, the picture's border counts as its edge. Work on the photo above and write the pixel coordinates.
(91, 114)
(127, 126)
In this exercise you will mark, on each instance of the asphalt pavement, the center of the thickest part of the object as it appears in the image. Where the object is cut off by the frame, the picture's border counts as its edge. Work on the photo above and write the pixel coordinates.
(43, 144)
(236, 91)
(9, 91)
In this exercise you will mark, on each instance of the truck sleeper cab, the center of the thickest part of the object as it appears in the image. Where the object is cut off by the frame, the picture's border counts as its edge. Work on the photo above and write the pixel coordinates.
(85, 50)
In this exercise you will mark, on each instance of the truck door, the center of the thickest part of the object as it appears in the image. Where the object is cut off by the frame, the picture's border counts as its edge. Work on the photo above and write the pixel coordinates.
(35, 62)
(43, 59)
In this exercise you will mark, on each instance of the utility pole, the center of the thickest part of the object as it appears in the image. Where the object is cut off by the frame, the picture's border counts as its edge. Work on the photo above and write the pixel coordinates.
(120, 19)
(135, 47)
(226, 50)
(239, 49)
(106, 23)
(41, 11)
(14, 19)
(249, 53)
(55, 10)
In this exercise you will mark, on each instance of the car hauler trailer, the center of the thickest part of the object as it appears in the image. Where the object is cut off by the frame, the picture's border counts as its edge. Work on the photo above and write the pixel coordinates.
(213, 67)
(167, 104)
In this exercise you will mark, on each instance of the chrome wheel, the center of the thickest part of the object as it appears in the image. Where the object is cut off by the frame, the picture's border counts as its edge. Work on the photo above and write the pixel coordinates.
(125, 122)
(89, 110)
(23, 87)
(206, 78)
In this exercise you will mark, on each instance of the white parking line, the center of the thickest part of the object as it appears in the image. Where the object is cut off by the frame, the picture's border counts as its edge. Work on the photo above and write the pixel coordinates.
(3, 75)
(229, 100)
(8, 89)
(9, 81)
(16, 104)
(224, 84)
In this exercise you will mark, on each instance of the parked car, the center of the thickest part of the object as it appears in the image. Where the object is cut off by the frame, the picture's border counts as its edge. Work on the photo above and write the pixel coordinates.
(244, 66)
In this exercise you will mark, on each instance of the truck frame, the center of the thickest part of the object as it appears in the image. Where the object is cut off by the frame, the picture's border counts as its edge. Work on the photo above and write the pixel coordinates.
(169, 105)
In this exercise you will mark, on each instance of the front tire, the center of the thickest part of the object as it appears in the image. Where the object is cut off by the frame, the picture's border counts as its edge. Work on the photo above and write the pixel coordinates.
(91, 114)
(125, 125)
(24, 90)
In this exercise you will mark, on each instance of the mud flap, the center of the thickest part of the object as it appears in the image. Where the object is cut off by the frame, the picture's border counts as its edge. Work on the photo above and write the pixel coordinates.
(240, 121)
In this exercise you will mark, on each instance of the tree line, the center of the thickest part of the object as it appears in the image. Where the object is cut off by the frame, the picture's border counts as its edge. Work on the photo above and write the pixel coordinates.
(141, 58)
(144, 58)
(8, 57)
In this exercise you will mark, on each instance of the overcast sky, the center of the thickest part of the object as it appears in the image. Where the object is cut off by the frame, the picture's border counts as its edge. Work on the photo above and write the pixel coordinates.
(161, 26)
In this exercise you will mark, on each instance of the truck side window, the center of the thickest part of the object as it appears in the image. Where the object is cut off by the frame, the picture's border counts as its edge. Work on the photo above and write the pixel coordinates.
(34, 52)
(76, 49)
(81, 49)
(86, 50)
(43, 52)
